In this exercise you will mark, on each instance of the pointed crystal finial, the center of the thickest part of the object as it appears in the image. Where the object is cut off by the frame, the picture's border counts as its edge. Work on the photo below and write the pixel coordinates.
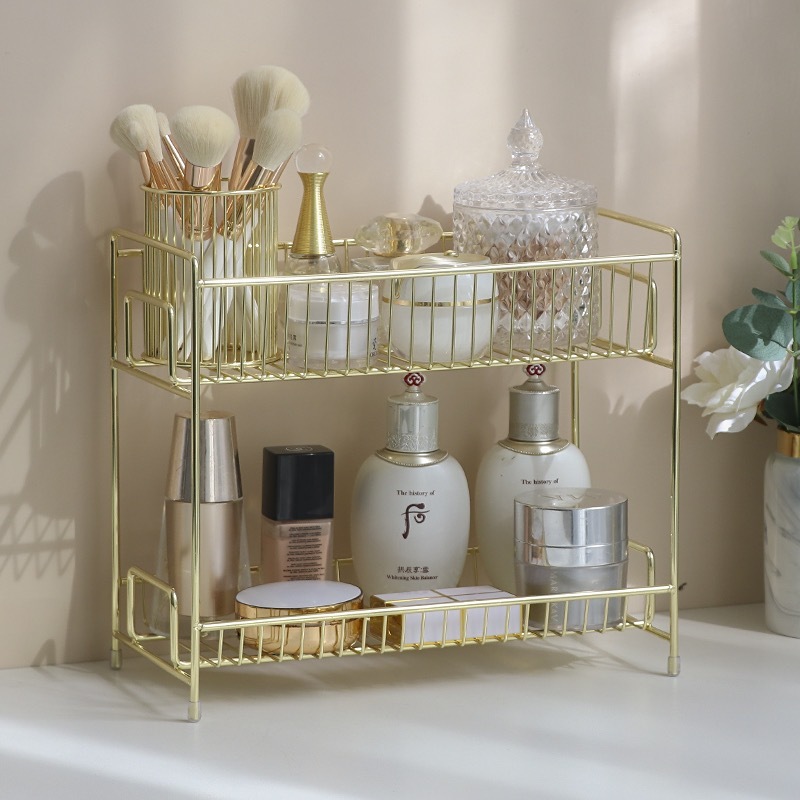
(525, 140)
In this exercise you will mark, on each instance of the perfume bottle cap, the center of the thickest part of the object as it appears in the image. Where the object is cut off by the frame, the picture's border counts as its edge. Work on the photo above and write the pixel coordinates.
(297, 482)
(533, 412)
(413, 419)
(396, 234)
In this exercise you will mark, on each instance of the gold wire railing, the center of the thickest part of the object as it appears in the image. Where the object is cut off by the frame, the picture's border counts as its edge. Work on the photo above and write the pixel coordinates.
(383, 629)
(427, 318)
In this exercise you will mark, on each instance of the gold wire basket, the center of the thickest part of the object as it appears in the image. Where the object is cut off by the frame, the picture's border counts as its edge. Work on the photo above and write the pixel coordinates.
(429, 318)
(248, 326)
(417, 625)
(228, 236)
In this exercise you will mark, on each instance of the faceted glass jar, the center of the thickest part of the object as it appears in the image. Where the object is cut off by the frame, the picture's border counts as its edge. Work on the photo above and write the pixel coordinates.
(525, 213)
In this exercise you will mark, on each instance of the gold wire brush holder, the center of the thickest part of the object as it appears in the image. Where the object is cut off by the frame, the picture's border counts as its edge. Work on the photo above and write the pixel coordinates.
(429, 318)
(230, 236)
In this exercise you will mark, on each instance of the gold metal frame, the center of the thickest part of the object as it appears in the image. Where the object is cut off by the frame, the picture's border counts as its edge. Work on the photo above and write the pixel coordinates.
(625, 327)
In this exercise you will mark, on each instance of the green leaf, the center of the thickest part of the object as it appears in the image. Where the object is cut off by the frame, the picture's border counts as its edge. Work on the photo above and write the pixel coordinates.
(784, 234)
(782, 408)
(777, 261)
(769, 299)
(759, 331)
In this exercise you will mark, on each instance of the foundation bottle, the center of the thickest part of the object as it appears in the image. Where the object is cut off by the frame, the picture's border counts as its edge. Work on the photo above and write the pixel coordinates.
(297, 513)
(533, 456)
(410, 511)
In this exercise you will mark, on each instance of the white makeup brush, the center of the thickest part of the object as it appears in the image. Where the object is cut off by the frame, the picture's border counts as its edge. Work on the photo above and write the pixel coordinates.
(135, 129)
(129, 136)
(289, 92)
(203, 134)
(255, 93)
(251, 97)
(173, 156)
(278, 137)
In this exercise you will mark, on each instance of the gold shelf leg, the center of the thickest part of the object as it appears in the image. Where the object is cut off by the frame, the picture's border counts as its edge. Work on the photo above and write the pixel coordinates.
(116, 653)
(674, 661)
(194, 674)
(194, 678)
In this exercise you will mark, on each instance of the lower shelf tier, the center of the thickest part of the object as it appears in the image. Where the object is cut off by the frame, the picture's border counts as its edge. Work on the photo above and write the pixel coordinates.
(418, 626)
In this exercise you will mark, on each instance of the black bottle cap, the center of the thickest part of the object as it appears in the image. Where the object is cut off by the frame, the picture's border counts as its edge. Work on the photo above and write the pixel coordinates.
(297, 482)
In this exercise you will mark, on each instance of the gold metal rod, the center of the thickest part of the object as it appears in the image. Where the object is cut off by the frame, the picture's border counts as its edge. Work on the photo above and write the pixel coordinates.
(673, 662)
(423, 608)
(134, 370)
(638, 221)
(575, 401)
(116, 655)
(431, 272)
(153, 658)
(628, 327)
(194, 687)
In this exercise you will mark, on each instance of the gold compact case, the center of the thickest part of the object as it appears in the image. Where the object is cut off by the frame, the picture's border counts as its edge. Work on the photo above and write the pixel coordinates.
(291, 598)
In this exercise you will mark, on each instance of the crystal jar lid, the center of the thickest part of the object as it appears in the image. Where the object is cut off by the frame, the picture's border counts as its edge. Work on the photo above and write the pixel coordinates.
(525, 184)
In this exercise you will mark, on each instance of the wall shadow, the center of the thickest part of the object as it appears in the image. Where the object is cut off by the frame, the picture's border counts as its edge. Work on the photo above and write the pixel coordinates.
(53, 397)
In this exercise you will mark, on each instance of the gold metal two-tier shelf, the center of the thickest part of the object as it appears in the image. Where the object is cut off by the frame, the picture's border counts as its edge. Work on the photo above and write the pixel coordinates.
(185, 316)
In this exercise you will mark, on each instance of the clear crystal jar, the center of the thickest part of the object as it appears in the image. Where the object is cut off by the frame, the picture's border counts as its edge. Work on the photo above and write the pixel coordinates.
(526, 213)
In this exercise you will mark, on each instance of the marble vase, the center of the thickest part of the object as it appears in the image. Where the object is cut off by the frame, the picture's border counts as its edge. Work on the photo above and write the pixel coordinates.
(782, 536)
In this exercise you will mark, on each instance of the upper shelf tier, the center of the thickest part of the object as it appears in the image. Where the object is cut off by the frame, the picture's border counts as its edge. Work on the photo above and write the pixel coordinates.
(216, 315)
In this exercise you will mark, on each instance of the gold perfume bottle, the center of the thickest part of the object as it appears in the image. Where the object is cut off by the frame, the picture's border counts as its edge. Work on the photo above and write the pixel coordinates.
(331, 325)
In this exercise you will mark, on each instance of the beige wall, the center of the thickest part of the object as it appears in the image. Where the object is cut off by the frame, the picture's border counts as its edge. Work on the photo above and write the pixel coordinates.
(678, 110)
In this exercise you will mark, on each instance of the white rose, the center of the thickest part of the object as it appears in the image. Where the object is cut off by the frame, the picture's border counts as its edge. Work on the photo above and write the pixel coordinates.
(732, 385)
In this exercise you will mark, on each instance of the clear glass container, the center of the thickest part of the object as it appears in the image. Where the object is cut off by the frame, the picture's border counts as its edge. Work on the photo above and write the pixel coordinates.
(526, 213)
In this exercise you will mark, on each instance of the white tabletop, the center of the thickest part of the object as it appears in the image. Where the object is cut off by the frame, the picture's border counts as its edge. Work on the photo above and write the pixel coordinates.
(582, 717)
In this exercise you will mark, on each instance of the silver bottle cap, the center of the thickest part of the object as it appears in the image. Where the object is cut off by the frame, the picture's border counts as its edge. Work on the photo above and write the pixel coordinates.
(220, 477)
(412, 419)
(533, 412)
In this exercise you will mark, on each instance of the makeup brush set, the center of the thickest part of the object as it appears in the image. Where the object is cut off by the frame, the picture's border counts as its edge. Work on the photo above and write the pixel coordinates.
(188, 203)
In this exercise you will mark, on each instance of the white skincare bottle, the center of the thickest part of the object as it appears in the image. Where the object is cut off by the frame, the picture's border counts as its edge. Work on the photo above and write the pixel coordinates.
(532, 455)
(410, 512)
